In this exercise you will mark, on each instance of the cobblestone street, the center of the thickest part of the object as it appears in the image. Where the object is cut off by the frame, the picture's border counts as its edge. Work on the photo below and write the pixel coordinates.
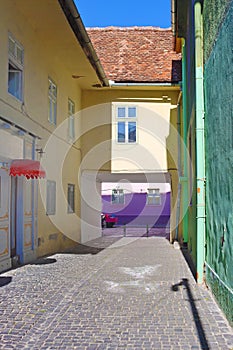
(137, 293)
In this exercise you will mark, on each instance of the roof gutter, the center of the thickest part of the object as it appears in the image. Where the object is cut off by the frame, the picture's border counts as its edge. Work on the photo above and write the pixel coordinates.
(76, 23)
(113, 84)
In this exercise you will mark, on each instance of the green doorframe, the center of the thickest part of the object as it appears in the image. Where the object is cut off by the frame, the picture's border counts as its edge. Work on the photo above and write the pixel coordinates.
(200, 142)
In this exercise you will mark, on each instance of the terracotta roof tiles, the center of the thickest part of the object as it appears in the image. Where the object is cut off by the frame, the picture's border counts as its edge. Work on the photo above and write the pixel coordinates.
(137, 54)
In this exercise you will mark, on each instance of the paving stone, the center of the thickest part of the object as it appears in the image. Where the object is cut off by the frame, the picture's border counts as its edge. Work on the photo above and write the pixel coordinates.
(132, 294)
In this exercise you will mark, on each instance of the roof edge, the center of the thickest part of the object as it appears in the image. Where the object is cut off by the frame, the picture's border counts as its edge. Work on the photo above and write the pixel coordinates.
(71, 12)
(143, 83)
(121, 28)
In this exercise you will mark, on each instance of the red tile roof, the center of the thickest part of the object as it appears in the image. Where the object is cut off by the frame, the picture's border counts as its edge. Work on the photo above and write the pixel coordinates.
(137, 54)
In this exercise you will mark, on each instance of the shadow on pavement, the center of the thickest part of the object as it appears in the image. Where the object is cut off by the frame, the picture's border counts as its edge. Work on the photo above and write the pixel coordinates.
(189, 261)
(43, 261)
(196, 317)
(92, 247)
(4, 281)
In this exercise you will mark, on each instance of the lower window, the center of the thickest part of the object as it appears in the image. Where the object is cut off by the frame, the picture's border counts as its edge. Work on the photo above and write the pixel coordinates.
(153, 196)
(126, 132)
(70, 198)
(51, 198)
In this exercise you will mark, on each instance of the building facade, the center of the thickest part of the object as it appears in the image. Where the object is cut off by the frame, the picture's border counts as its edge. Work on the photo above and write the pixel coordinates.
(74, 115)
(218, 36)
(38, 92)
(203, 31)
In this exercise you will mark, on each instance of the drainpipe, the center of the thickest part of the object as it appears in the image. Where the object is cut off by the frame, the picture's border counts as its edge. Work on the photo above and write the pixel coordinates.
(200, 155)
(184, 178)
(173, 21)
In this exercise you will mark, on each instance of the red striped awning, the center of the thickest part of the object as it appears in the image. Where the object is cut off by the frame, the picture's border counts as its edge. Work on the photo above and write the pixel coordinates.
(31, 169)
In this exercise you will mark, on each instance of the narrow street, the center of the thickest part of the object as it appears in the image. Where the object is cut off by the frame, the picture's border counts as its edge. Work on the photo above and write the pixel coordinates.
(116, 293)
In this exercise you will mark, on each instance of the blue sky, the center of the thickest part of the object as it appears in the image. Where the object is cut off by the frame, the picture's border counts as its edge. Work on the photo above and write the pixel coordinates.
(103, 13)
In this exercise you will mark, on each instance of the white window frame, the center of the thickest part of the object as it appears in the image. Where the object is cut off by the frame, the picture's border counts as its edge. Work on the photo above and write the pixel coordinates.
(51, 197)
(118, 193)
(71, 200)
(16, 61)
(126, 119)
(71, 120)
(153, 196)
(52, 102)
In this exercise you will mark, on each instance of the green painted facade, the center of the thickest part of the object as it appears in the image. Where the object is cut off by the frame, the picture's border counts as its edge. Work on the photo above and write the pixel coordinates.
(207, 30)
(188, 189)
(214, 12)
(219, 152)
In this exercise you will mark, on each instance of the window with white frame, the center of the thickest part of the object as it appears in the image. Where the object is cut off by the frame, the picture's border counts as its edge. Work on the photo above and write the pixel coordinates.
(71, 198)
(71, 125)
(126, 124)
(51, 198)
(118, 196)
(15, 68)
(153, 196)
(52, 100)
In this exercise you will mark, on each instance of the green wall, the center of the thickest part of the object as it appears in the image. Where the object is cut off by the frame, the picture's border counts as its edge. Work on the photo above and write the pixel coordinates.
(190, 91)
(214, 12)
(219, 153)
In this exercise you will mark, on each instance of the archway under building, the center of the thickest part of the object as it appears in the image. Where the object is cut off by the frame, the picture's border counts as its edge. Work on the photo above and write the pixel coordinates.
(93, 184)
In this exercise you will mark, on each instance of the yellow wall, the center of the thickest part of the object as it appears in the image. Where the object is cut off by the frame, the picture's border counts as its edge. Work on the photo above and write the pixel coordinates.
(148, 153)
(54, 52)
(161, 97)
(51, 50)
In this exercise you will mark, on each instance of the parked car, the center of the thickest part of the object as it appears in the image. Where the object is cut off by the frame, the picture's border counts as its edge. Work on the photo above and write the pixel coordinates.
(108, 220)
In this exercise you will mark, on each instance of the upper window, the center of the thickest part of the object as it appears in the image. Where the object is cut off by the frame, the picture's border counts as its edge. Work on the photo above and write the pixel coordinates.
(52, 97)
(153, 196)
(15, 68)
(118, 196)
(71, 199)
(127, 126)
(71, 125)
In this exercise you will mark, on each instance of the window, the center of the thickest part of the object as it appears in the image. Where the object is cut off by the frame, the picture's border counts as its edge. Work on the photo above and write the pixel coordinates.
(71, 129)
(15, 68)
(51, 198)
(52, 96)
(70, 197)
(153, 196)
(126, 130)
(118, 196)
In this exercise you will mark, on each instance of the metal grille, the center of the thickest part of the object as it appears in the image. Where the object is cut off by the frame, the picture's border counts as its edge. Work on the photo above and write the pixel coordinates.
(222, 293)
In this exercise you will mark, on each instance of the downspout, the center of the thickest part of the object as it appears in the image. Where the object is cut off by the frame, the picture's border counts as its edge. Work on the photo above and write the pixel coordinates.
(173, 21)
(184, 178)
(200, 142)
(76, 23)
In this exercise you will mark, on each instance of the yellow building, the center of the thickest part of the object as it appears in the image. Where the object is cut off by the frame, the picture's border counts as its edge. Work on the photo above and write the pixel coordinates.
(41, 61)
(62, 108)
(134, 138)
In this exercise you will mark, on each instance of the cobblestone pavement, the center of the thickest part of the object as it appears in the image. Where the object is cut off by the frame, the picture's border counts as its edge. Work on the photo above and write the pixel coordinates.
(136, 294)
